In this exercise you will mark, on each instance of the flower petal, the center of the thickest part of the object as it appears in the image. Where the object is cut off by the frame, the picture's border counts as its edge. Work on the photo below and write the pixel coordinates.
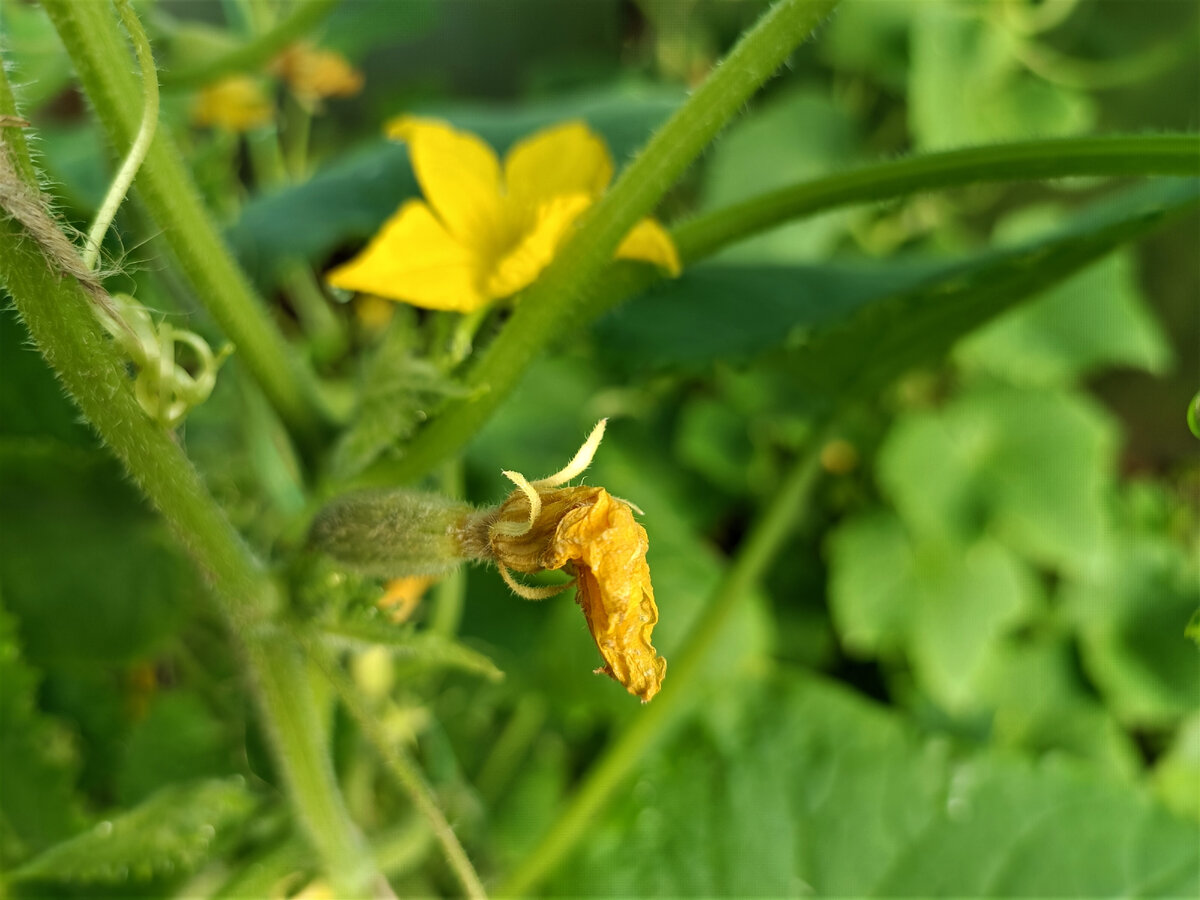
(460, 177)
(650, 242)
(414, 259)
(564, 159)
(608, 549)
(522, 265)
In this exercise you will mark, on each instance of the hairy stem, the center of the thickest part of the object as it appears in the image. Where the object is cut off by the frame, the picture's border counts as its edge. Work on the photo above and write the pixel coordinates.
(90, 33)
(554, 300)
(54, 295)
(619, 759)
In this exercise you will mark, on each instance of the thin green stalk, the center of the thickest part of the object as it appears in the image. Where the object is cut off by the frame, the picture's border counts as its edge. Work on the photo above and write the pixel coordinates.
(255, 53)
(299, 737)
(141, 144)
(92, 39)
(1117, 156)
(55, 297)
(551, 304)
(619, 759)
(406, 773)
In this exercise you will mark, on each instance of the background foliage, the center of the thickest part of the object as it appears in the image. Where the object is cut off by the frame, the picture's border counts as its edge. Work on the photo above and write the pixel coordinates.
(966, 672)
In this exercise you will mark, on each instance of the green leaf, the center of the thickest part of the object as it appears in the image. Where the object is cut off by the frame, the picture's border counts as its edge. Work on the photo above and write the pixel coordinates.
(88, 569)
(171, 832)
(1131, 614)
(1032, 467)
(872, 573)
(1096, 319)
(348, 201)
(852, 329)
(179, 739)
(967, 86)
(38, 758)
(947, 607)
(816, 791)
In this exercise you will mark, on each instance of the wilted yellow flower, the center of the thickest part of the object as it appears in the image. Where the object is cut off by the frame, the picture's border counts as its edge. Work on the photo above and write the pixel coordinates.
(585, 530)
(483, 233)
(236, 103)
(314, 74)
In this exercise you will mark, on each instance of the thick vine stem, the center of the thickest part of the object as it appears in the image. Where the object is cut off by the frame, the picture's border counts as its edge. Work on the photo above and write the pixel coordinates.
(90, 34)
(754, 556)
(43, 279)
(555, 299)
(1114, 156)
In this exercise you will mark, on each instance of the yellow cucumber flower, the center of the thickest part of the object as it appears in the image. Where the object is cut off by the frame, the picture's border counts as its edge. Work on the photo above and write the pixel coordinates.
(237, 103)
(315, 74)
(484, 232)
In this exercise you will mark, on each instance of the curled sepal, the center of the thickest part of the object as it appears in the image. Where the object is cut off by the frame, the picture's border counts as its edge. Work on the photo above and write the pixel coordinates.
(391, 534)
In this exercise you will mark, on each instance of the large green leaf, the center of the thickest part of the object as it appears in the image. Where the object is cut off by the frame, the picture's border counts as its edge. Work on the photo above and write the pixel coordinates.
(852, 329)
(170, 833)
(1032, 467)
(348, 201)
(816, 791)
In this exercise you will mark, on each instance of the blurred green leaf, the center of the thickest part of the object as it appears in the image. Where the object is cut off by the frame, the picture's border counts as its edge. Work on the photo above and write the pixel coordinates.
(1131, 614)
(1177, 772)
(179, 739)
(948, 607)
(170, 833)
(1042, 704)
(349, 200)
(967, 86)
(90, 572)
(31, 46)
(1031, 467)
(821, 792)
(38, 759)
(1096, 319)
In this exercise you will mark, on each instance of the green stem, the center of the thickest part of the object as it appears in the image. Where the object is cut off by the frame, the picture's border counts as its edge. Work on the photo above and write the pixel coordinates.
(405, 771)
(550, 305)
(101, 59)
(620, 758)
(256, 52)
(1120, 156)
(12, 137)
(141, 144)
(298, 735)
(58, 311)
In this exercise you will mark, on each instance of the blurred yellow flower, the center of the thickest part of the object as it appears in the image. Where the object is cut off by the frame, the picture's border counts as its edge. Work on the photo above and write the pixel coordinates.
(314, 75)
(483, 232)
(542, 526)
(237, 103)
(402, 595)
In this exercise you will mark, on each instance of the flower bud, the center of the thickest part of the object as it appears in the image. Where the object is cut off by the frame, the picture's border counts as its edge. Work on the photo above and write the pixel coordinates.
(392, 533)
